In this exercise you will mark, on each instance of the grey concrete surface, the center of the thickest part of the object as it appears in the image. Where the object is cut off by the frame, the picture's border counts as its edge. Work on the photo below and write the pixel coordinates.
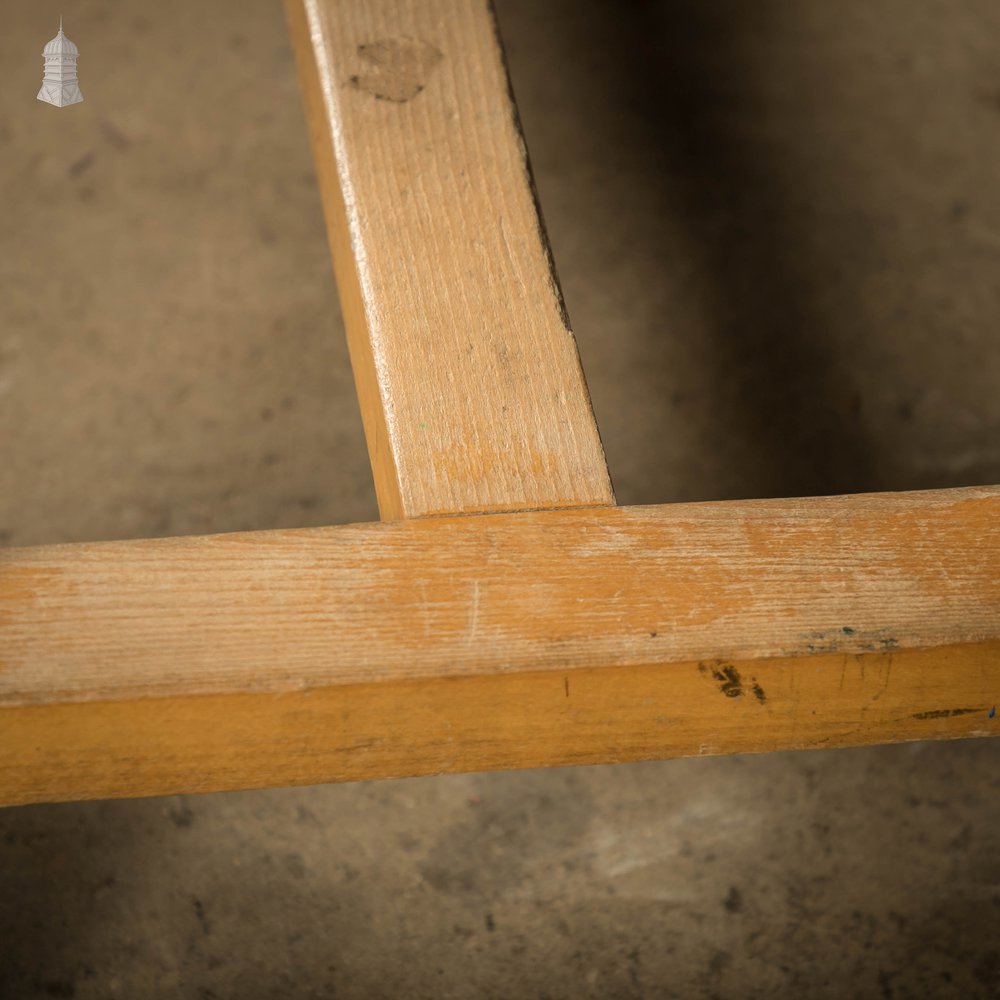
(778, 230)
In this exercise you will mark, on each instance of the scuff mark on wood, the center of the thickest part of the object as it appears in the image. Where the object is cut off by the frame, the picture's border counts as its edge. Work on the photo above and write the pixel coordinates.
(885, 682)
(399, 68)
(846, 640)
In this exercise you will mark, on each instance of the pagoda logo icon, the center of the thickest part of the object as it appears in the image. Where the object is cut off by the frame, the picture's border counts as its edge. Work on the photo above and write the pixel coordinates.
(60, 85)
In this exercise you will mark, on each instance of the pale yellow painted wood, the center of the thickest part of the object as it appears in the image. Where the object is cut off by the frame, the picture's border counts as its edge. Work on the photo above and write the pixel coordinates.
(507, 640)
(468, 376)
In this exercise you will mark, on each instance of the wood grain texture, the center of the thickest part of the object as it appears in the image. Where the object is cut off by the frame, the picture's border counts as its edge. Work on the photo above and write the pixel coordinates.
(411, 647)
(470, 384)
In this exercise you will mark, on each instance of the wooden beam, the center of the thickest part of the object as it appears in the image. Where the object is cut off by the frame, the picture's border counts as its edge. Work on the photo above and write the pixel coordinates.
(508, 640)
(468, 376)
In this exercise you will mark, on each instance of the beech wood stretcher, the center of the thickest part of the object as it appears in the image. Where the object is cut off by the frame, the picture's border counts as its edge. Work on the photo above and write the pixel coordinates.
(504, 612)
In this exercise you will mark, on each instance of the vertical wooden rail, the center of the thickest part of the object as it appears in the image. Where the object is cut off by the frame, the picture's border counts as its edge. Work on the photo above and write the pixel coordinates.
(471, 389)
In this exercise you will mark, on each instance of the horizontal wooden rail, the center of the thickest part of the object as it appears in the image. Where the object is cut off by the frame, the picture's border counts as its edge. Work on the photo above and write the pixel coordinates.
(493, 641)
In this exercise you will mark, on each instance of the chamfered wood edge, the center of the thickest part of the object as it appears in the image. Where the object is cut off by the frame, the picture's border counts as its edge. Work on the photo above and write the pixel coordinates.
(160, 746)
(313, 88)
(543, 235)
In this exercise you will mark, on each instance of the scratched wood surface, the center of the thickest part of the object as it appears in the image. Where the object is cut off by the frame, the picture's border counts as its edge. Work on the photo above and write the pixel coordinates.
(468, 376)
(469, 643)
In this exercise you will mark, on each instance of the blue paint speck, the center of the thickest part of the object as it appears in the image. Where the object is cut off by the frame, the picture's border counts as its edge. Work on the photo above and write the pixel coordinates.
(993, 711)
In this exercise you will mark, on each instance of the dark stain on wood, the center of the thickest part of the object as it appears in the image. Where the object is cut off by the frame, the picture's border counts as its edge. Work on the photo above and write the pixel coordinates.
(728, 679)
(947, 713)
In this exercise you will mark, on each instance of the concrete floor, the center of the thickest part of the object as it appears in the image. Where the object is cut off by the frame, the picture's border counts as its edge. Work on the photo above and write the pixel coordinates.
(778, 230)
